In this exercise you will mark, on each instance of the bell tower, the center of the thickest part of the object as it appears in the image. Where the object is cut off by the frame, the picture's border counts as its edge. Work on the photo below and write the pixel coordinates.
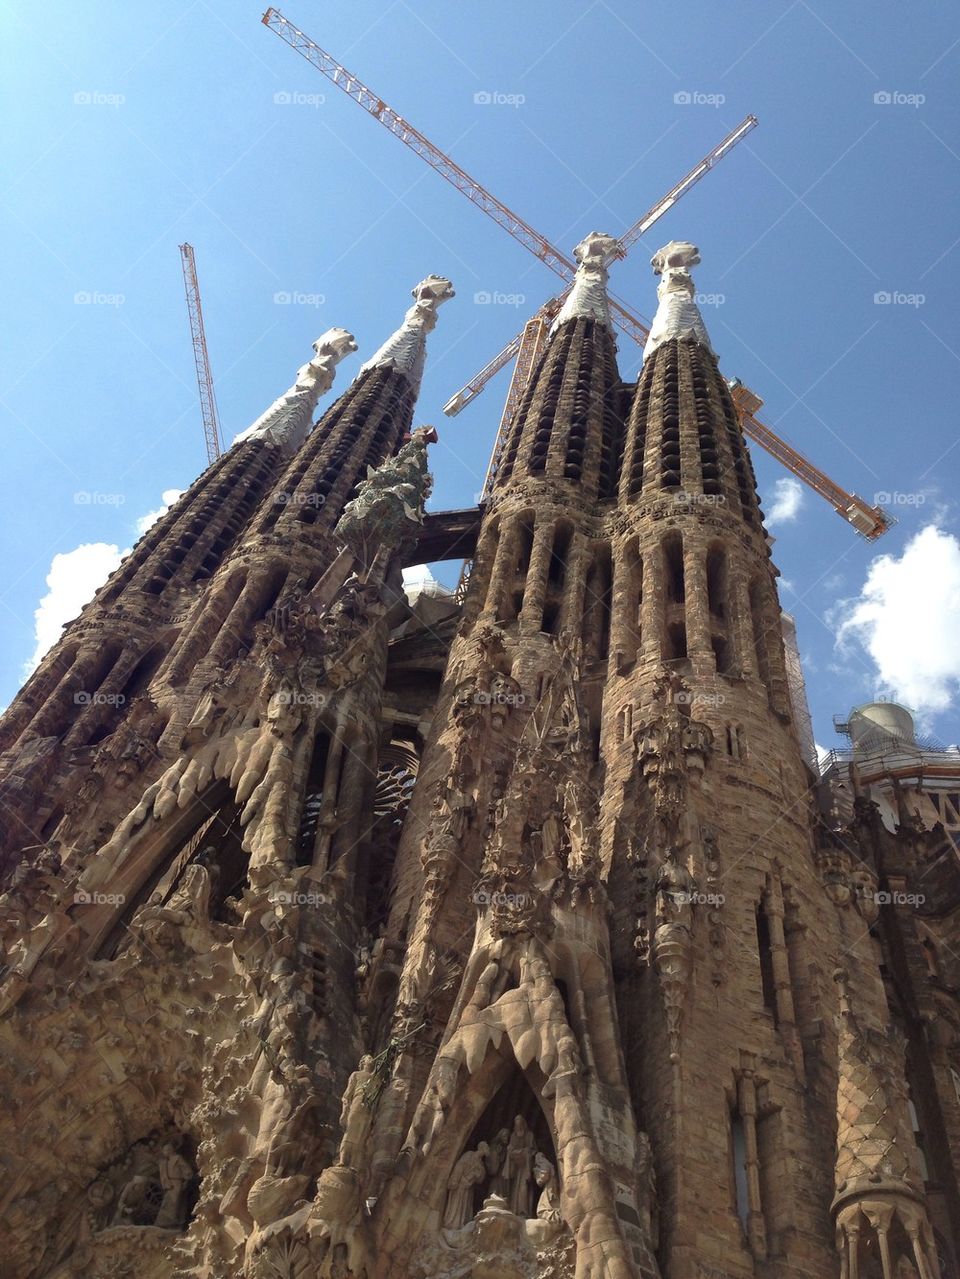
(399, 935)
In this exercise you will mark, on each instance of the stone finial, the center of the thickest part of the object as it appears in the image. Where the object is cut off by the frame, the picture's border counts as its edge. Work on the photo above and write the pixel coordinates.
(678, 315)
(390, 502)
(405, 350)
(588, 296)
(287, 421)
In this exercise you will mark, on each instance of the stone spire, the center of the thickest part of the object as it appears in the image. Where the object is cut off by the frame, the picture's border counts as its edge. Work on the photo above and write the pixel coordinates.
(405, 350)
(588, 296)
(678, 315)
(877, 1192)
(287, 421)
(868, 1151)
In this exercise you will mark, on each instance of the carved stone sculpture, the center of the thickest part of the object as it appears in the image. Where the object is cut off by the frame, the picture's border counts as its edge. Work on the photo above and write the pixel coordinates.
(518, 1167)
(468, 1173)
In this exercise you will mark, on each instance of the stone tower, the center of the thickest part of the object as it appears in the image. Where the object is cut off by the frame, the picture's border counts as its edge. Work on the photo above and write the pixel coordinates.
(354, 935)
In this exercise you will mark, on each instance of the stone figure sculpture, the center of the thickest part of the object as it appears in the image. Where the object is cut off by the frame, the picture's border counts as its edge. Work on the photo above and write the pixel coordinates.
(518, 1167)
(356, 1115)
(544, 1174)
(468, 1172)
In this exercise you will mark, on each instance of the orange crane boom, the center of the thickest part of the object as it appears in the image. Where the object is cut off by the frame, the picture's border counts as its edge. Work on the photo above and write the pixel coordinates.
(869, 521)
(201, 358)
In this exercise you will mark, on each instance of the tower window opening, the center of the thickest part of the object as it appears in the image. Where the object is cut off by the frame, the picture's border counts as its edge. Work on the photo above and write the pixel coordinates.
(596, 606)
(673, 565)
(717, 582)
(676, 642)
(767, 981)
(721, 654)
(919, 1139)
(738, 1168)
(557, 570)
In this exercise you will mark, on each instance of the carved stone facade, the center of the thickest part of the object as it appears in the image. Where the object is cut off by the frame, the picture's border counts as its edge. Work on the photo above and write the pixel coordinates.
(495, 938)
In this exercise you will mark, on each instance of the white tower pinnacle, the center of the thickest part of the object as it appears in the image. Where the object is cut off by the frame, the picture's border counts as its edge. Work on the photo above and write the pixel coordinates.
(287, 420)
(588, 296)
(678, 315)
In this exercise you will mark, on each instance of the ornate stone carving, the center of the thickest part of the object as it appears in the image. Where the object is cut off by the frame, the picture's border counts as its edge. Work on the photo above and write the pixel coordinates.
(390, 502)
(672, 752)
(673, 940)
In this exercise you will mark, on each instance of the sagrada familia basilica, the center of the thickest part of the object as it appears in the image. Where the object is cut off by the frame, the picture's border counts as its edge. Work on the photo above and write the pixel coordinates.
(505, 934)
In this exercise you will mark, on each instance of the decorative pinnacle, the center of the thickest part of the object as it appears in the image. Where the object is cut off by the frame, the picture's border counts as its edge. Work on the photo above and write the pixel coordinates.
(588, 296)
(287, 421)
(405, 350)
(678, 315)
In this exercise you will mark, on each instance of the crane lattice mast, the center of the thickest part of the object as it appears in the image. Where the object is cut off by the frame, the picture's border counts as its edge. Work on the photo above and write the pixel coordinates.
(201, 357)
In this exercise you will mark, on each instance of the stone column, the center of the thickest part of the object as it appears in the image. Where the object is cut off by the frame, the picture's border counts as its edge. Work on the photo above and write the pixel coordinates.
(501, 576)
(697, 608)
(747, 1105)
(237, 622)
(102, 704)
(531, 615)
(651, 606)
(625, 606)
(780, 964)
(741, 626)
(575, 583)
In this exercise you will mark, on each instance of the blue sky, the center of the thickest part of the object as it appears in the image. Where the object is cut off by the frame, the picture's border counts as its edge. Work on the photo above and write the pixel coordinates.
(127, 129)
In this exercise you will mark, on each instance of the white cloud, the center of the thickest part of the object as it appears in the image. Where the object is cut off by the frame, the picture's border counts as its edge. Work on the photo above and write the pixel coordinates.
(787, 501)
(75, 575)
(167, 497)
(907, 618)
(72, 579)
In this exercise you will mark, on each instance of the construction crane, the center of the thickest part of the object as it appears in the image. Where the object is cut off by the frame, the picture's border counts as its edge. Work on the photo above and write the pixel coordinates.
(869, 521)
(201, 358)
